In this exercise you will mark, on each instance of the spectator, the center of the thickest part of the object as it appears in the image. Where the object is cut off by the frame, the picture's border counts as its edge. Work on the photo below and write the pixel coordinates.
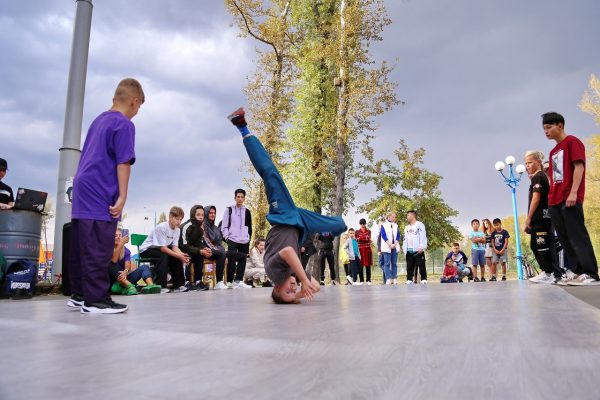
(192, 242)
(487, 230)
(499, 245)
(307, 249)
(538, 223)
(379, 253)
(450, 272)
(344, 258)
(414, 246)
(256, 271)
(99, 195)
(390, 245)
(162, 245)
(214, 240)
(237, 231)
(477, 239)
(460, 261)
(567, 192)
(326, 254)
(363, 237)
(7, 199)
(351, 247)
(124, 274)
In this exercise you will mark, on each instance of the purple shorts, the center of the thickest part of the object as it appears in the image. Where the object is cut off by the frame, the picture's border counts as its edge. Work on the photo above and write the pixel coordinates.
(478, 257)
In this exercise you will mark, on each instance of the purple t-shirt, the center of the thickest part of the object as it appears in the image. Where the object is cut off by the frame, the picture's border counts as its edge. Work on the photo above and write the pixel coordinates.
(126, 257)
(110, 141)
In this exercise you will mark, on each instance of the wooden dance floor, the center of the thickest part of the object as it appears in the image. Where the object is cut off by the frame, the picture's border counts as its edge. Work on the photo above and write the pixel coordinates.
(511, 340)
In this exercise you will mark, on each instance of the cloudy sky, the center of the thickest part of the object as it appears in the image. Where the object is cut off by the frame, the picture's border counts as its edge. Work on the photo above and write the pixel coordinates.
(475, 76)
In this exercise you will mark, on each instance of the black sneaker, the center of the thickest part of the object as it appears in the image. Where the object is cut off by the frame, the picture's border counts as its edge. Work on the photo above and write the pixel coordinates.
(483, 279)
(103, 307)
(267, 284)
(201, 286)
(493, 279)
(75, 301)
(476, 279)
(503, 277)
(237, 117)
(322, 283)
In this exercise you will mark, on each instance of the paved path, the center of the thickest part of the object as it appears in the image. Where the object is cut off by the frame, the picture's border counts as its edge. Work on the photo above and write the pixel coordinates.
(509, 340)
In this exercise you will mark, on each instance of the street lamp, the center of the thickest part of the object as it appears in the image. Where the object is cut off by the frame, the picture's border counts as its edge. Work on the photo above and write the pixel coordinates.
(512, 181)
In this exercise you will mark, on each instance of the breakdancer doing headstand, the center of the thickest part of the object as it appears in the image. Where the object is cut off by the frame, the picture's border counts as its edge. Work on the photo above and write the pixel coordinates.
(289, 224)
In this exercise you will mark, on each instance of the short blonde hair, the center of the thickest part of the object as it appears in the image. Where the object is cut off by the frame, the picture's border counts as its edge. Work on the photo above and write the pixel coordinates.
(176, 212)
(128, 88)
(538, 155)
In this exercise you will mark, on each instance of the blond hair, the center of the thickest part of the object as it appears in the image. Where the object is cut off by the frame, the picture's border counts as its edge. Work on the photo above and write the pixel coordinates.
(536, 154)
(176, 212)
(127, 89)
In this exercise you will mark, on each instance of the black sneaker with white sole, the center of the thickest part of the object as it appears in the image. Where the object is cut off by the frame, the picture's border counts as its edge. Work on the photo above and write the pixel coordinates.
(103, 307)
(75, 301)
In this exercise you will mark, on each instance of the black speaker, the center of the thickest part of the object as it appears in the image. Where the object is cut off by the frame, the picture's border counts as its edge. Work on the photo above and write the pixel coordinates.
(66, 260)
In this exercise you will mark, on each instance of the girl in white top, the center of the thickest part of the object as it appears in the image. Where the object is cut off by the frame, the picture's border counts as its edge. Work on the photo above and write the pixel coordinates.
(255, 268)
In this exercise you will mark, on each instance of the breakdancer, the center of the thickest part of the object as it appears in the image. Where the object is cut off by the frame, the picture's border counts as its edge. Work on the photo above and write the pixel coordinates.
(289, 224)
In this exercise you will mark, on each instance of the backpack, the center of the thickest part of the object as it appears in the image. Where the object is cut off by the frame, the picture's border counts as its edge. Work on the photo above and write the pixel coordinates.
(19, 282)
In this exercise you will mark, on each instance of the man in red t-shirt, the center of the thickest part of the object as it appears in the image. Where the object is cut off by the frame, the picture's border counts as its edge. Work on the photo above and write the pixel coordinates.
(567, 190)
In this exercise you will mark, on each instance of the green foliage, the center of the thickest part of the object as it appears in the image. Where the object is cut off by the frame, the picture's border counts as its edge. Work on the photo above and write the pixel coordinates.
(405, 187)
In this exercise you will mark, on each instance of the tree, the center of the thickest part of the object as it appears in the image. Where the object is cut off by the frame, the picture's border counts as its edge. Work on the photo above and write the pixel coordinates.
(162, 217)
(409, 186)
(590, 102)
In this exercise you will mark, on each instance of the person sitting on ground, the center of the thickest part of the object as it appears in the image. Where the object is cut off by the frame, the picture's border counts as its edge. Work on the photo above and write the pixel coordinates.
(289, 224)
(7, 199)
(450, 272)
(193, 243)
(351, 247)
(124, 274)
(255, 272)
(460, 260)
(162, 245)
(214, 240)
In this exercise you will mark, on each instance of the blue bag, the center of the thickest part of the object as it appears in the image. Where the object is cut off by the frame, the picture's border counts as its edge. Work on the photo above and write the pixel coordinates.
(19, 282)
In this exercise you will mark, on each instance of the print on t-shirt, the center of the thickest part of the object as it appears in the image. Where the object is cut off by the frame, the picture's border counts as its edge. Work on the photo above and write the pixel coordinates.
(557, 166)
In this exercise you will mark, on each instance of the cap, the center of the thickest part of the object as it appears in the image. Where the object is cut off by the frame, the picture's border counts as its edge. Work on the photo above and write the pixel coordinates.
(3, 163)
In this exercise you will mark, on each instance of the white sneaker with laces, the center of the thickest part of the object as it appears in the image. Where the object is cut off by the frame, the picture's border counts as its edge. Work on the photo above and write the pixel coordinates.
(221, 286)
(349, 279)
(543, 277)
(568, 277)
(409, 282)
(584, 280)
(230, 285)
(243, 285)
(424, 282)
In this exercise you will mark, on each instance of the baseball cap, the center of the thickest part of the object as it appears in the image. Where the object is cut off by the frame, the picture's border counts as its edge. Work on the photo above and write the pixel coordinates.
(3, 163)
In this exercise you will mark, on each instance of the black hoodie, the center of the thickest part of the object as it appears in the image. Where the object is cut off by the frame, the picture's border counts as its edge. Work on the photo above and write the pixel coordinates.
(194, 234)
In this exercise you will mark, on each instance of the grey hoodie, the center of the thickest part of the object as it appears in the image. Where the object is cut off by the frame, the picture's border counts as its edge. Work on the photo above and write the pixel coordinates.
(212, 231)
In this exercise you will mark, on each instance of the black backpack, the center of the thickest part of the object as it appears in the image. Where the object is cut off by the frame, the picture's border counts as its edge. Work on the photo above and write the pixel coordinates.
(19, 282)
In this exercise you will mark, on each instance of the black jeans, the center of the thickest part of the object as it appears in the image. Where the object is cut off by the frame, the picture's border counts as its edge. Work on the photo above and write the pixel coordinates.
(327, 255)
(414, 260)
(236, 256)
(219, 258)
(543, 246)
(569, 223)
(165, 264)
(198, 261)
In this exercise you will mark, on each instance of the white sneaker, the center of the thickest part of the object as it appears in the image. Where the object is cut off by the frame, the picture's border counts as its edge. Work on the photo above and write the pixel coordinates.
(349, 279)
(221, 286)
(164, 290)
(394, 281)
(369, 283)
(424, 282)
(230, 285)
(409, 282)
(543, 277)
(242, 285)
(584, 280)
(181, 289)
(568, 277)
(388, 281)
(358, 283)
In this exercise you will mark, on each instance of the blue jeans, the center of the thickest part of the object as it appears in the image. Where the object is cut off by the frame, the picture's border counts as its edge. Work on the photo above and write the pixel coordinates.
(282, 210)
(390, 265)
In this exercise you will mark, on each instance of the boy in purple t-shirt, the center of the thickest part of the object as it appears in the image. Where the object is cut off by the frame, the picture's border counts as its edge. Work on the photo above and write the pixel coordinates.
(99, 195)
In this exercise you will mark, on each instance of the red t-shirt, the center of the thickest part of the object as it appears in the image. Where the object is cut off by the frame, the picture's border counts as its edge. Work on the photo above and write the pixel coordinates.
(450, 271)
(562, 157)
